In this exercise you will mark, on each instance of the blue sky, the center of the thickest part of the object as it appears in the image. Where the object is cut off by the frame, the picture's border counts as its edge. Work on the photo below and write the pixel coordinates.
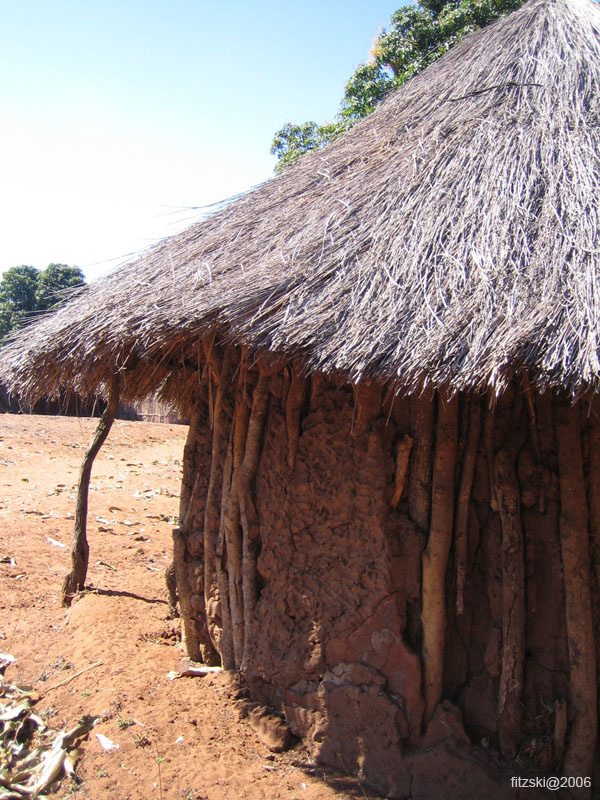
(116, 115)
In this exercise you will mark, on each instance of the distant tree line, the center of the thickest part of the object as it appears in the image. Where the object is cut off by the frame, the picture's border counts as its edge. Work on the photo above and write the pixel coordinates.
(25, 290)
(417, 36)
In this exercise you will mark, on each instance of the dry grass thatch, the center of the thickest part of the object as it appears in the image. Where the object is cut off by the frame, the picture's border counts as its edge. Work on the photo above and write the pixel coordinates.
(451, 237)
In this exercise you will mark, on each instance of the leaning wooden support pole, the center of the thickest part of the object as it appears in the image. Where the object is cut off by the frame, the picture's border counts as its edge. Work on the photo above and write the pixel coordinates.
(435, 556)
(512, 670)
(75, 580)
(576, 571)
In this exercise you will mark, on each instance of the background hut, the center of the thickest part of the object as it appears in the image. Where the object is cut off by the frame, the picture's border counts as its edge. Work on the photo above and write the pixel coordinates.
(390, 510)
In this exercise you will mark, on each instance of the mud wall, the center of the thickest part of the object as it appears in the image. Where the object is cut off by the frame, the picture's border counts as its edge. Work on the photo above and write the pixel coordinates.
(389, 573)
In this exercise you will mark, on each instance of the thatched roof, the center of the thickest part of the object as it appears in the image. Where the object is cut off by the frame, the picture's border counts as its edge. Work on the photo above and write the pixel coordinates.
(452, 237)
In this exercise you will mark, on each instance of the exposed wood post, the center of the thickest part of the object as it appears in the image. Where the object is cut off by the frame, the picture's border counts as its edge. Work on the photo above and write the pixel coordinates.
(435, 556)
(419, 476)
(461, 534)
(594, 490)
(560, 731)
(490, 453)
(512, 672)
(576, 571)
(220, 371)
(403, 449)
(367, 406)
(189, 463)
(296, 397)
(194, 628)
(189, 640)
(531, 413)
(226, 634)
(230, 533)
(75, 580)
(249, 516)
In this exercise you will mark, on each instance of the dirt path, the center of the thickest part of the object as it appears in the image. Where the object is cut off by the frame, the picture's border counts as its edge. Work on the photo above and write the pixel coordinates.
(178, 740)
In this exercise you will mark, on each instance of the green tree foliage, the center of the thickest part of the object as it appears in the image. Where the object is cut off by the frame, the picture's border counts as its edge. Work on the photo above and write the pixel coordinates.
(293, 141)
(18, 287)
(52, 283)
(416, 37)
(8, 321)
(24, 290)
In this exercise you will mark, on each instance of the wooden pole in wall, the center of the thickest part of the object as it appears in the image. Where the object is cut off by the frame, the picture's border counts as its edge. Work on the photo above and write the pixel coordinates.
(461, 535)
(594, 490)
(296, 397)
(75, 580)
(230, 525)
(189, 640)
(419, 475)
(489, 427)
(194, 624)
(221, 369)
(226, 633)
(576, 571)
(435, 555)
(512, 672)
(249, 515)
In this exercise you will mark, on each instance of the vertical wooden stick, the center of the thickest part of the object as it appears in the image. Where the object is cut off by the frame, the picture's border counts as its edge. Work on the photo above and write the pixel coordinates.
(490, 452)
(194, 625)
(560, 732)
(296, 396)
(249, 516)
(435, 556)
(367, 406)
(189, 640)
(230, 532)
(533, 426)
(576, 571)
(513, 603)
(402, 459)
(80, 551)
(189, 463)
(221, 414)
(594, 491)
(226, 634)
(419, 476)
(461, 534)
(179, 566)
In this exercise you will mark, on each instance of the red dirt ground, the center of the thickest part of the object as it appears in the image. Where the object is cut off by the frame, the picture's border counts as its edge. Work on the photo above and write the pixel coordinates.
(178, 740)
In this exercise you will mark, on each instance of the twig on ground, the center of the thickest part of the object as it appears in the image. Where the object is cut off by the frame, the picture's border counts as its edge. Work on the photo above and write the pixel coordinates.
(72, 677)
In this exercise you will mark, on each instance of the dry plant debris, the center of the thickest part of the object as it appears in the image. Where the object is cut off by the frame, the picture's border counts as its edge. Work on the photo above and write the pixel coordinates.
(33, 758)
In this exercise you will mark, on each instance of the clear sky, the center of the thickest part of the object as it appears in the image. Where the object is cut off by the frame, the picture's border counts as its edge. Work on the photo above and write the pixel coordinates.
(117, 114)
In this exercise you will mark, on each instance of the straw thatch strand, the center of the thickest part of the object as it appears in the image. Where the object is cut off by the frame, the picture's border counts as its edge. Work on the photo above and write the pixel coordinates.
(451, 238)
